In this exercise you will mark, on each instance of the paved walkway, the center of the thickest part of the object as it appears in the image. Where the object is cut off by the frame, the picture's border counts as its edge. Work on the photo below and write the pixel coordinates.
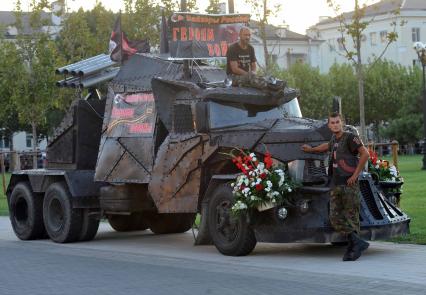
(398, 268)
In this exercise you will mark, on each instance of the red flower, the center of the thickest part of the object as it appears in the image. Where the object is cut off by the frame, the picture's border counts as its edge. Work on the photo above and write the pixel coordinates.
(259, 187)
(268, 160)
(263, 175)
(373, 156)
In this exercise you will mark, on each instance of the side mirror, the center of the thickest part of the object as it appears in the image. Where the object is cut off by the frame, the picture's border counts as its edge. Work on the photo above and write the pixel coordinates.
(201, 117)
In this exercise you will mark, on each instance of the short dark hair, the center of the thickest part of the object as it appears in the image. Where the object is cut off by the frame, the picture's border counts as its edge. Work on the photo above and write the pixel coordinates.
(335, 115)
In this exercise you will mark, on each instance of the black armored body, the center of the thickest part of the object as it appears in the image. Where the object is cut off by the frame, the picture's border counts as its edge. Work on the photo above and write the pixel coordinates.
(151, 155)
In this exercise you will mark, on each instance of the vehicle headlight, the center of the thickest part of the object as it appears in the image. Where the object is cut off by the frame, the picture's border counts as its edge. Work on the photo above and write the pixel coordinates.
(304, 206)
(282, 213)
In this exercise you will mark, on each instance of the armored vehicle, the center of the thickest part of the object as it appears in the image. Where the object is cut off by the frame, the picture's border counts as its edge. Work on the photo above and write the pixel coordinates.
(151, 155)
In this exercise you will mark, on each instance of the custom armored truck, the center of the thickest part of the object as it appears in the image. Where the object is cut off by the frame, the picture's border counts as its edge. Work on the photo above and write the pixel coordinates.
(150, 155)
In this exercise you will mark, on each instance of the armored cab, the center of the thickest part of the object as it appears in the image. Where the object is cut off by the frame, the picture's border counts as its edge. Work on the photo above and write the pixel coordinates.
(151, 154)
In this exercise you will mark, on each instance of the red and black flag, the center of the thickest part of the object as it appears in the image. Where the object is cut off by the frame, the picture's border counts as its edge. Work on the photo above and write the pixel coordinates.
(120, 48)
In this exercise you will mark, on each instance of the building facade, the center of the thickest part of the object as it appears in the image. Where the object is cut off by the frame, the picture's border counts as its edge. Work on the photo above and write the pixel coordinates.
(412, 16)
(285, 47)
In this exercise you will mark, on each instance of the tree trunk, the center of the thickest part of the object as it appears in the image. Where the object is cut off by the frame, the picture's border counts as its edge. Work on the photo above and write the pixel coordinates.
(360, 77)
(34, 130)
(263, 35)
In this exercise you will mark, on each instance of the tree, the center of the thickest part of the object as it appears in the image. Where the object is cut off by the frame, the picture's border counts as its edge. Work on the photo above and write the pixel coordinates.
(315, 90)
(262, 12)
(76, 42)
(141, 20)
(8, 79)
(214, 7)
(352, 27)
(343, 83)
(33, 93)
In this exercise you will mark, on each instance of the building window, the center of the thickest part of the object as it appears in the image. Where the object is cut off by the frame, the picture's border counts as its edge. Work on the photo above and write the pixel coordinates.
(6, 142)
(29, 140)
(373, 39)
(415, 34)
(341, 42)
(383, 36)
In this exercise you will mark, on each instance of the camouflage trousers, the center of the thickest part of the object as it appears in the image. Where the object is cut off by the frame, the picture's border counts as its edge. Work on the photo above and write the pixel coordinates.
(249, 80)
(344, 208)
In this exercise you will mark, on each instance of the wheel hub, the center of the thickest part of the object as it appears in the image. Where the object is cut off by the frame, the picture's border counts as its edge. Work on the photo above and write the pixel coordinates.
(226, 224)
(56, 215)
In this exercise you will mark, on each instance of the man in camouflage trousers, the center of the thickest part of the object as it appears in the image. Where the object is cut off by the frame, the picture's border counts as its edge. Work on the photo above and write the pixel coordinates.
(345, 167)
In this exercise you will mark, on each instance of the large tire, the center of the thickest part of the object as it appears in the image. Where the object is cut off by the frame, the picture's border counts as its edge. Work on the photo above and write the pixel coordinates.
(63, 222)
(89, 226)
(124, 223)
(170, 223)
(26, 213)
(230, 234)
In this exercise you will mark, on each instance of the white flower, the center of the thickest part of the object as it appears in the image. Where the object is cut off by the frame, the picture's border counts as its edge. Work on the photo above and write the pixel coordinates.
(393, 179)
(260, 166)
(246, 181)
(269, 183)
(377, 166)
(246, 191)
(274, 201)
(393, 171)
(232, 184)
(253, 155)
(267, 189)
(289, 190)
(253, 184)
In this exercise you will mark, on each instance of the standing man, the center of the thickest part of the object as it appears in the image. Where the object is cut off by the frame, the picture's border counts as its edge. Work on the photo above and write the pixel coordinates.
(344, 148)
(240, 57)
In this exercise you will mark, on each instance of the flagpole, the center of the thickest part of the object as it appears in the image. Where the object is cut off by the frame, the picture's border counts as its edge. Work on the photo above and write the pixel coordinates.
(121, 40)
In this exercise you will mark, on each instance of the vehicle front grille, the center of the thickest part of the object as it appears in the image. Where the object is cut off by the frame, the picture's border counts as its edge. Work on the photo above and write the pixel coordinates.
(368, 197)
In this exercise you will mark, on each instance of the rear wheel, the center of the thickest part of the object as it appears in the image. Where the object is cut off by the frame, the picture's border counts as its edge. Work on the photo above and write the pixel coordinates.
(63, 222)
(26, 212)
(89, 226)
(231, 235)
(170, 223)
(123, 223)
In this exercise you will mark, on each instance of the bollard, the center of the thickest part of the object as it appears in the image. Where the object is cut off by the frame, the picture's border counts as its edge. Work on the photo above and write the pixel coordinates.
(395, 147)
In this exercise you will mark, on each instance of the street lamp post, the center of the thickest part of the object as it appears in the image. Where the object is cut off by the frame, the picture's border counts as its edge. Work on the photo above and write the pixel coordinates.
(421, 52)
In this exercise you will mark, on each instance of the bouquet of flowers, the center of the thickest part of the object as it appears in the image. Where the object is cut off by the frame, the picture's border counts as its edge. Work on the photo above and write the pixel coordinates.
(382, 170)
(260, 182)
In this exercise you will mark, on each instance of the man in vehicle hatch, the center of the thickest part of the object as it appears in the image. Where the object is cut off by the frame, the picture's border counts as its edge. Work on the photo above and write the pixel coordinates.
(344, 148)
(240, 57)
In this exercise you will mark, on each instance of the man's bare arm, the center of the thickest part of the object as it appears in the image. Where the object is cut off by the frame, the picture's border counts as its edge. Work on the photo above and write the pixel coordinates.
(317, 149)
(363, 152)
(235, 69)
(253, 67)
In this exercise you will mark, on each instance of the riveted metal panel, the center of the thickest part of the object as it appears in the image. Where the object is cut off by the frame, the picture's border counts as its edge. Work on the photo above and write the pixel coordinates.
(175, 181)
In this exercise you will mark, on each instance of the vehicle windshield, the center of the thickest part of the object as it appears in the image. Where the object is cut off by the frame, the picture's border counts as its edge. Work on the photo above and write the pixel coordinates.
(222, 115)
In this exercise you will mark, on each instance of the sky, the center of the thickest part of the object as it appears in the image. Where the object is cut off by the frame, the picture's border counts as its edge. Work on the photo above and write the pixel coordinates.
(297, 14)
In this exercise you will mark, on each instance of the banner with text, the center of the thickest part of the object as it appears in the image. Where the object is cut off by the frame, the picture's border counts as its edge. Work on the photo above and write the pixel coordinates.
(202, 35)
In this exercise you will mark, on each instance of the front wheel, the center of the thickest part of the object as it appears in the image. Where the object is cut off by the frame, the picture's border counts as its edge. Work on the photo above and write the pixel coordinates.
(231, 235)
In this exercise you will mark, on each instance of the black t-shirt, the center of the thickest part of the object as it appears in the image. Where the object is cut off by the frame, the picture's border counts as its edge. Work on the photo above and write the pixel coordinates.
(344, 158)
(244, 57)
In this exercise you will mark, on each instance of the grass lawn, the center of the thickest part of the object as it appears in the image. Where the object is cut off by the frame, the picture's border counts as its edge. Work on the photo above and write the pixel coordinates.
(413, 199)
(3, 202)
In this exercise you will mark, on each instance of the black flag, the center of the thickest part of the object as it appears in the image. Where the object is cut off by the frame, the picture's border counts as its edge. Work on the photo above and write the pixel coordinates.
(120, 48)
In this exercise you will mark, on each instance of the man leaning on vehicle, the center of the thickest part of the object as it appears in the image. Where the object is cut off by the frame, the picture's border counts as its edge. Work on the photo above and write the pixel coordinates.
(344, 148)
